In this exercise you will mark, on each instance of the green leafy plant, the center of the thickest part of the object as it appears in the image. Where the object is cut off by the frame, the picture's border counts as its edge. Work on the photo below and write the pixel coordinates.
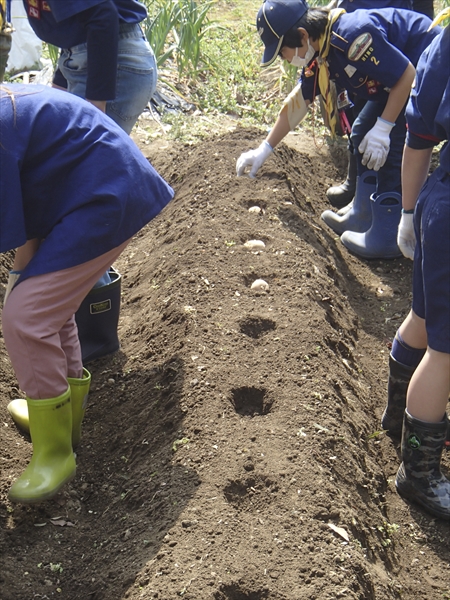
(181, 442)
(387, 530)
(53, 54)
(176, 30)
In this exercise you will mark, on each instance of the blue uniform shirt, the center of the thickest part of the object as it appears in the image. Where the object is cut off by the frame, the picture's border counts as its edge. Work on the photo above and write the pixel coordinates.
(428, 119)
(351, 5)
(96, 23)
(130, 11)
(370, 50)
(63, 24)
(71, 177)
(428, 110)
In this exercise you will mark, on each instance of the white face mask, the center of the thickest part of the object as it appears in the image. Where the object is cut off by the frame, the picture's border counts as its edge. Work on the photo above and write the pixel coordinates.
(298, 61)
(309, 53)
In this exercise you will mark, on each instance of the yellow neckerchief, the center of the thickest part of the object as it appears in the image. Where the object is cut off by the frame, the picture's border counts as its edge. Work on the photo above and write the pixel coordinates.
(444, 14)
(324, 74)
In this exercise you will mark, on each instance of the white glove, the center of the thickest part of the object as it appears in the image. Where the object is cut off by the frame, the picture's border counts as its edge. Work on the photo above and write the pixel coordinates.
(375, 144)
(406, 238)
(254, 159)
(13, 276)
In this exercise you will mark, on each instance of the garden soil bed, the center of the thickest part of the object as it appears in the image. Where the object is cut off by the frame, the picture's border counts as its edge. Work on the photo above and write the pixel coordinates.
(232, 448)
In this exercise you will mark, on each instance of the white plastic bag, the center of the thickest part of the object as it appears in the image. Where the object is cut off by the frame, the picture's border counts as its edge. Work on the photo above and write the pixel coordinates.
(26, 47)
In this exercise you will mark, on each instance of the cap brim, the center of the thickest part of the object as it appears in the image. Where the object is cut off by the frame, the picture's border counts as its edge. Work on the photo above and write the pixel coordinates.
(271, 52)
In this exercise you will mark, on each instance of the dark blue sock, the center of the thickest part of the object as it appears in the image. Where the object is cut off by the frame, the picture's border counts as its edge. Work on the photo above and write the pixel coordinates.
(404, 354)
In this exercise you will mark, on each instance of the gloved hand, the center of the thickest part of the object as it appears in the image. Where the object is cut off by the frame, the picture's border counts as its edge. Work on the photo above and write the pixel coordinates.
(375, 144)
(12, 278)
(406, 238)
(253, 159)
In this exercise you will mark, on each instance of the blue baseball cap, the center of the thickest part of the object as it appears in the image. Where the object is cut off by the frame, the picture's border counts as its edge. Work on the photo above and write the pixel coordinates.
(274, 19)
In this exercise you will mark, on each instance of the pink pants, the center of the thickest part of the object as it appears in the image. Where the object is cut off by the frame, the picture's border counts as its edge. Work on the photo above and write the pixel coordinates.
(39, 326)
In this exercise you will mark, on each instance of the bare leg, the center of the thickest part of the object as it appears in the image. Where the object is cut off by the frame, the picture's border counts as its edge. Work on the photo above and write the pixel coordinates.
(430, 384)
(429, 387)
(413, 331)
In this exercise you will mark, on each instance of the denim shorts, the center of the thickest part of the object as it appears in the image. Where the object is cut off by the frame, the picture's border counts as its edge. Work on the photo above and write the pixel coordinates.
(136, 75)
(431, 275)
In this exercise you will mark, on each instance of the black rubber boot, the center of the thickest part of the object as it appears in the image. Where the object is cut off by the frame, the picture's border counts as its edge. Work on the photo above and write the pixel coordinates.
(341, 195)
(399, 378)
(419, 477)
(97, 320)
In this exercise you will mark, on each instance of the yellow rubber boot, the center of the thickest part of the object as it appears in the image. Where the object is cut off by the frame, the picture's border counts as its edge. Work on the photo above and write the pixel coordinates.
(79, 390)
(53, 462)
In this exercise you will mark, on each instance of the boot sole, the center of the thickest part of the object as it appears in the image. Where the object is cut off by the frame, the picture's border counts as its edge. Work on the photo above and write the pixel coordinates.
(367, 257)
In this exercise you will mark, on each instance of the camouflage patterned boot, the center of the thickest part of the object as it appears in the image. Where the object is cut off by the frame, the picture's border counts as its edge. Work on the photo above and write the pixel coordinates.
(399, 378)
(419, 477)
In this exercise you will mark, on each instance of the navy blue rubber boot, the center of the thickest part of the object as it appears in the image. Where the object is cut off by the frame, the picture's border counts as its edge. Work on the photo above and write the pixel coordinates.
(380, 241)
(98, 318)
(359, 215)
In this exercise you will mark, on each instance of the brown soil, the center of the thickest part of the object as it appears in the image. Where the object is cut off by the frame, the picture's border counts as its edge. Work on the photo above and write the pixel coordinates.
(232, 448)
